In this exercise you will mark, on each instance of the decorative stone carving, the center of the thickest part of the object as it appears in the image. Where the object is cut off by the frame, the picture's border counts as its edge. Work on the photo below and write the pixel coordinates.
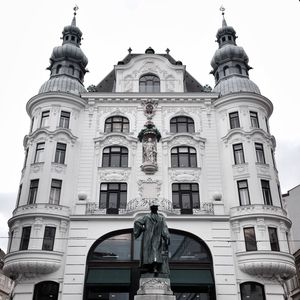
(155, 286)
(37, 167)
(113, 175)
(115, 138)
(266, 263)
(149, 181)
(58, 168)
(149, 106)
(184, 175)
(240, 170)
(92, 88)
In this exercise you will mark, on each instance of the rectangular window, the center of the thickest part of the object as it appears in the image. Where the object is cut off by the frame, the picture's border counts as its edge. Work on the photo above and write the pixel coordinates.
(267, 125)
(273, 158)
(49, 238)
(265, 186)
(238, 153)
(243, 192)
(39, 152)
(64, 120)
(25, 238)
(45, 118)
(113, 196)
(26, 157)
(19, 195)
(254, 119)
(250, 239)
(60, 153)
(260, 156)
(234, 120)
(55, 191)
(185, 196)
(10, 241)
(274, 243)
(279, 195)
(34, 184)
(31, 124)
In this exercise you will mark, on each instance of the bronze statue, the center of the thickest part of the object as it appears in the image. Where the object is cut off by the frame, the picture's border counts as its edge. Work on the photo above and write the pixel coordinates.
(155, 242)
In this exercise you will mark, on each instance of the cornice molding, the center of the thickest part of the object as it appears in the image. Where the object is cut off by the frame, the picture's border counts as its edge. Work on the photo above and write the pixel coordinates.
(244, 97)
(56, 97)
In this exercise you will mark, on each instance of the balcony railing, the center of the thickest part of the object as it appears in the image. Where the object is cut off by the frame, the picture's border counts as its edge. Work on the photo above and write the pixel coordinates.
(142, 204)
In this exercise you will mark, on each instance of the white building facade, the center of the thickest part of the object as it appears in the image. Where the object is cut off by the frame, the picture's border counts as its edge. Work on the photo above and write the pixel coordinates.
(88, 174)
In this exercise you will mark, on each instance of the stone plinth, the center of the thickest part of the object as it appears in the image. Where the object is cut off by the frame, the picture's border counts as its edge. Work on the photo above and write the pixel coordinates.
(154, 289)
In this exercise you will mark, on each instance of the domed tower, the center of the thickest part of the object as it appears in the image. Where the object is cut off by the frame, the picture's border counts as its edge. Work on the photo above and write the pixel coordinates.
(40, 222)
(230, 64)
(67, 63)
(251, 191)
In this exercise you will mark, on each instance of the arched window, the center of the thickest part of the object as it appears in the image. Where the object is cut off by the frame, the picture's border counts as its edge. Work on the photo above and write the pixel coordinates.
(252, 291)
(115, 156)
(239, 69)
(46, 290)
(149, 83)
(58, 69)
(182, 124)
(183, 157)
(185, 196)
(226, 70)
(116, 124)
(113, 267)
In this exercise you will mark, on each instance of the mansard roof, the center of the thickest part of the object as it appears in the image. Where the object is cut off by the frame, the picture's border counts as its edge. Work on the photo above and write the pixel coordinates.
(107, 84)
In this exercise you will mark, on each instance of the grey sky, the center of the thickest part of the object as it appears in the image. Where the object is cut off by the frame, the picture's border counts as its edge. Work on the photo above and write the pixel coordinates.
(267, 30)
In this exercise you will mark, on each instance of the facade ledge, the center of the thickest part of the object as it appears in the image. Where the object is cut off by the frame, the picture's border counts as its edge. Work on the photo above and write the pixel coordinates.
(54, 97)
(245, 97)
(196, 136)
(41, 209)
(248, 134)
(51, 134)
(126, 136)
(258, 210)
(177, 97)
(142, 205)
(267, 263)
(31, 263)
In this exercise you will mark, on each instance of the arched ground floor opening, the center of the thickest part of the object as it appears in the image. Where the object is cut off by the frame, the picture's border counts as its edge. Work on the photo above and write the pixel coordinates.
(112, 269)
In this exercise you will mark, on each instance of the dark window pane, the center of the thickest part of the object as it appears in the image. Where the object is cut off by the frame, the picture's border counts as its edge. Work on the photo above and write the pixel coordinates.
(250, 239)
(243, 192)
(266, 192)
(149, 84)
(25, 238)
(116, 124)
(274, 243)
(114, 248)
(49, 237)
(46, 290)
(182, 124)
(33, 191)
(234, 120)
(115, 157)
(252, 291)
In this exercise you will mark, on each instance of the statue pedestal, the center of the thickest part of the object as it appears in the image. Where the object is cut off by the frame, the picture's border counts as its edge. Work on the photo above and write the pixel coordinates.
(155, 288)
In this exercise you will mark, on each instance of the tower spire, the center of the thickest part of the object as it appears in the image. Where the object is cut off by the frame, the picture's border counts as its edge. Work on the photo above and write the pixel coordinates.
(222, 9)
(74, 17)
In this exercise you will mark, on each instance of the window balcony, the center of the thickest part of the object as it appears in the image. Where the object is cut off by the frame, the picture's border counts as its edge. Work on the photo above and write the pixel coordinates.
(142, 204)
(31, 263)
(42, 209)
(258, 210)
(267, 263)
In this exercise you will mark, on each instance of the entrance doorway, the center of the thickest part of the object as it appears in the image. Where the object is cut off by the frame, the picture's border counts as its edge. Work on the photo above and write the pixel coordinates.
(113, 267)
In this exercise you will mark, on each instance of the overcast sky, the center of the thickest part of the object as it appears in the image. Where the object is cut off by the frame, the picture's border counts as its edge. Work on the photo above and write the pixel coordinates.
(268, 31)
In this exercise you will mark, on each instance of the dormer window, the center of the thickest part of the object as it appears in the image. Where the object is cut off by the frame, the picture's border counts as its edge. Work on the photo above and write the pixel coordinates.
(149, 83)
(73, 38)
(225, 70)
(67, 38)
(223, 39)
(229, 38)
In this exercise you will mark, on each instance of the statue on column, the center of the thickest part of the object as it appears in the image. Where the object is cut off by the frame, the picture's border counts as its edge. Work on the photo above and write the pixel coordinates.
(149, 136)
(155, 243)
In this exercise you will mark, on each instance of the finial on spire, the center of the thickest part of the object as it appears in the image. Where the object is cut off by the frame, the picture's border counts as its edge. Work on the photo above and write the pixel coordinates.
(129, 50)
(222, 9)
(168, 50)
(75, 8)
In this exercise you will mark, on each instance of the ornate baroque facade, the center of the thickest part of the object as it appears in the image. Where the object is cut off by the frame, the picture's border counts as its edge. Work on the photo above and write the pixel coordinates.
(95, 158)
